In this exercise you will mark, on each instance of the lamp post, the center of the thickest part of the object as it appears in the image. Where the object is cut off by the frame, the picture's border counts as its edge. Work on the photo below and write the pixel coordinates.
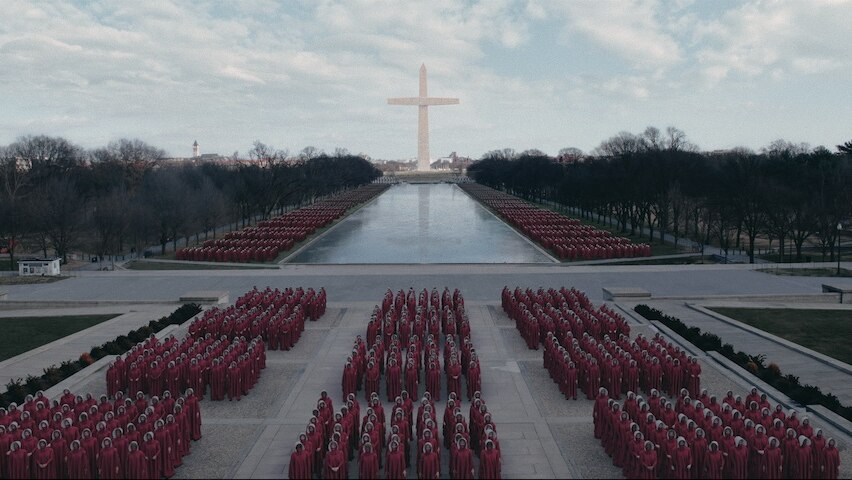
(839, 229)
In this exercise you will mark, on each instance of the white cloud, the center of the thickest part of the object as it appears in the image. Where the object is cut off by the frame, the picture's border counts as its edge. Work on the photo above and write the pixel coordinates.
(772, 37)
(629, 28)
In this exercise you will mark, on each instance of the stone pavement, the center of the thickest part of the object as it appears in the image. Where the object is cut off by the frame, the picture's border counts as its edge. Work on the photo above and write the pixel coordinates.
(480, 282)
(542, 435)
(130, 317)
(810, 371)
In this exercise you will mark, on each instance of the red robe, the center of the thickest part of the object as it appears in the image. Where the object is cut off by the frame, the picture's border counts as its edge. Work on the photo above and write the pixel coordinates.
(395, 467)
(738, 458)
(335, 465)
(109, 463)
(803, 463)
(832, 463)
(194, 413)
(454, 379)
(167, 467)
(78, 464)
(772, 462)
(300, 465)
(489, 464)
(18, 464)
(44, 464)
(137, 466)
(714, 465)
(393, 377)
(217, 382)
(681, 460)
(368, 465)
(648, 464)
(430, 466)
(462, 464)
(234, 383)
(152, 458)
(433, 383)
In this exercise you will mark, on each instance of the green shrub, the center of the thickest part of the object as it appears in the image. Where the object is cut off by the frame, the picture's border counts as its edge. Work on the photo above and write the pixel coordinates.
(18, 389)
(787, 384)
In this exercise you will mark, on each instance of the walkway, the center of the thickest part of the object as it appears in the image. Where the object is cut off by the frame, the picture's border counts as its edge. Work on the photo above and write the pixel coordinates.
(71, 347)
(809, 370)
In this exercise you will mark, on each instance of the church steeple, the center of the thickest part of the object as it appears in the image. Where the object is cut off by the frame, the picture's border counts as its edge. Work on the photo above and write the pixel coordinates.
(196, 150)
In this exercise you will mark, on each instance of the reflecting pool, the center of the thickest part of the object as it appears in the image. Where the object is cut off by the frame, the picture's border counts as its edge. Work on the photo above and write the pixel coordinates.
(422, 223)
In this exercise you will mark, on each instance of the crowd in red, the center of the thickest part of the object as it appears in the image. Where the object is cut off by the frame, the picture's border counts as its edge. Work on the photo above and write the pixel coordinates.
(694, 437)
(402, 338)
(263, 243)
(565, 237)
(216, 353)
(80, 438)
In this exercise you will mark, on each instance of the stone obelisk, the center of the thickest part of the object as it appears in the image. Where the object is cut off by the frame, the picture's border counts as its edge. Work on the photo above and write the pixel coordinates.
(423, 101)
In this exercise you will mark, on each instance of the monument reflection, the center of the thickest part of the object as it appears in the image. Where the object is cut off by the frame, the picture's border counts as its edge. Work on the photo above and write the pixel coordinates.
(424, 223)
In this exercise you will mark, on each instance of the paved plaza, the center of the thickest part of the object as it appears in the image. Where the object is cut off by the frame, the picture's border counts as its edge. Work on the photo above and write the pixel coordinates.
(541, 434)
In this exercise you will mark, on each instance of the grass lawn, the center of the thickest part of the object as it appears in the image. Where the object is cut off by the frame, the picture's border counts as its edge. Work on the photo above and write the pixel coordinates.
(808, 272)
(826, 331)
(708, 259)
(21, 334)
(16, 280)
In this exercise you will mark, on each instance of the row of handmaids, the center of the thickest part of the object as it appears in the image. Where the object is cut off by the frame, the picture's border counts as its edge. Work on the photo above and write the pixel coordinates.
(565, 237)
(265, 241)
(409, 337)
(140, 429)
(693, 437)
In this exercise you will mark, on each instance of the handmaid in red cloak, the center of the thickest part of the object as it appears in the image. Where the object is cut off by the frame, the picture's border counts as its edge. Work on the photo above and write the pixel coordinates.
(368, 463)
(714, 463)
(44, 463)
(17, 462)
(78, 462)
(489, 462)
(772, 462)
(832, 460)
(430, 463)
(151, 449)
(395, 468)
(462, 465)
(137, 464)
(234, 382)
(300, 464)
(682, 460)
(335, 463)
(109, 463)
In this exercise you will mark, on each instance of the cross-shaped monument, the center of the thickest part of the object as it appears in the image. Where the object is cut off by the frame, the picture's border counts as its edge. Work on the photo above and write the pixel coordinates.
(423, 102)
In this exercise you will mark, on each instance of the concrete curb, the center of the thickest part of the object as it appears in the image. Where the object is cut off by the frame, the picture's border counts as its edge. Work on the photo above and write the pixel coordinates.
(85, 374)
(831, 418)
(782, 297)
(746, 380)
(27, 304)
(824, 359)
(680, 341)
(630, 314)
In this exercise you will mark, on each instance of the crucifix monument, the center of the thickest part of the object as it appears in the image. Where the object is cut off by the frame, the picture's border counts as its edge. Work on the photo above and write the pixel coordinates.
(423, 101)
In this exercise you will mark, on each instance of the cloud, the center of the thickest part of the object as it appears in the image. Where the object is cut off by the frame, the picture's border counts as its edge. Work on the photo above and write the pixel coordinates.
(630, 29)
(775, 38)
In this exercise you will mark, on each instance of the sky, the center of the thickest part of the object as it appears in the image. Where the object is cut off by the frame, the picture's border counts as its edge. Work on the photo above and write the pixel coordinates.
(543, 74)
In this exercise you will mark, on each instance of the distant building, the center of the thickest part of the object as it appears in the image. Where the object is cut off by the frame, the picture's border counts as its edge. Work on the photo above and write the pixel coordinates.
(39, 266)
(196, 150)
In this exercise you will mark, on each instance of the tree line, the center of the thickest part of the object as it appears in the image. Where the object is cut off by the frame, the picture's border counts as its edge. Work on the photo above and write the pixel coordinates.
(659, 181)
(56, 196)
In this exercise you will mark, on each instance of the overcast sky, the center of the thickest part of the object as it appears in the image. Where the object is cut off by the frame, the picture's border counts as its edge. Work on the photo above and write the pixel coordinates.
(530, 74)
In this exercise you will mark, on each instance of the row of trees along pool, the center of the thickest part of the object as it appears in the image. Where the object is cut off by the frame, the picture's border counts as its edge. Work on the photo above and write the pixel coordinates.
(56, 196)
(660, 183)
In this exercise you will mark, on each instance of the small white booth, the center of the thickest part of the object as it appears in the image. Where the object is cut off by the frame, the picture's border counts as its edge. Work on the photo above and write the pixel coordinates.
(39, 267)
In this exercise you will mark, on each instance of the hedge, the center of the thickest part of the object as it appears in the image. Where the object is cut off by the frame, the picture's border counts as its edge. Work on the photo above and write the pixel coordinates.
(787, 384)
(17, 389)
